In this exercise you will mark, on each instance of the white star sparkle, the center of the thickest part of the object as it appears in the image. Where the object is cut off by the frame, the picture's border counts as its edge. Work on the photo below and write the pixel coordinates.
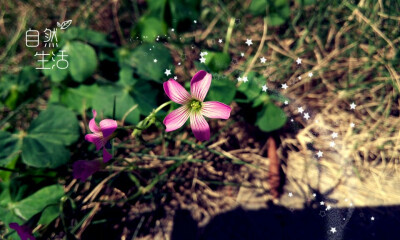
(264, 88)
(249, 42)
(334, 135)
(320, 154)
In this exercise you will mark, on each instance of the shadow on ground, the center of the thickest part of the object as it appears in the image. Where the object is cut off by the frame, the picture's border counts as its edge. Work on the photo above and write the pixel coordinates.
(277, 222)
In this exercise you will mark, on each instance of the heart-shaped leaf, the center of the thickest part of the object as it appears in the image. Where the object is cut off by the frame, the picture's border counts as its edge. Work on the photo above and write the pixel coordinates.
(222, 89)
(82, 60)
(149, 28)
(143, 59)
(217, 61)
(78, 99)
(271, 118)
(87, 35)
(276, 11)
(44, 144)
(9, 145)
(56, 74)
(23, 210)
(103, 102)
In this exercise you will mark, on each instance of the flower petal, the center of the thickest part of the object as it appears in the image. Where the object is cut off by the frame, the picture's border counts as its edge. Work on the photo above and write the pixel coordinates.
(200, 127)
(214, 109)
(176, 118)
(106, 155)
(92, 123)
(176, 92)
(23, 231)
(95, 138)
(108, 126)
(200, 84)
(83, 169)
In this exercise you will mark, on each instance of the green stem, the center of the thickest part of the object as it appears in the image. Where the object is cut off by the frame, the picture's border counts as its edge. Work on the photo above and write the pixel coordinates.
(149, 120)
(229, 34)
(161, 107)
(155, 180)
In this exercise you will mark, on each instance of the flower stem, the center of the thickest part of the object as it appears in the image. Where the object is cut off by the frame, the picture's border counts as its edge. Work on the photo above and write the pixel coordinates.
(161, 107)
(149, 120)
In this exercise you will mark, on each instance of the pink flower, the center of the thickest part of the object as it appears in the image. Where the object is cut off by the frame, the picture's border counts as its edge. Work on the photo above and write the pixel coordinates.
(101, 135)
(83, 169)
(24, 232)
(193, 106)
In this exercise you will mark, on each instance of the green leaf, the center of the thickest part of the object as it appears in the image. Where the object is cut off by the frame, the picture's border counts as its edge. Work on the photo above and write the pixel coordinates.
(27, 77)
(54, 73)
(142, 59)
(14, 89)
(149, 28)
(87, 35)
(49, 214)
(217, 61)
(262, 99)
(126, 76)
(145, 95)
(183, 12)
(250, 89)
(271, 118)
(156, 7)
(25, 209)
(258, 7)
(10, 145)
(6, 213)
(5, 175)
(306, 2)
(276, 11)
(36, 202)
(82, 60)
(43, 154)
(48, 134)
(103, 102)
(56, 124)
(222, 89)
(24, 185)
(141, 91)
(79, 98)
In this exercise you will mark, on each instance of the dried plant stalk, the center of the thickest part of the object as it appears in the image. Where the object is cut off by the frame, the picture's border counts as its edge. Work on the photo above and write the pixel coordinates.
(274, 166)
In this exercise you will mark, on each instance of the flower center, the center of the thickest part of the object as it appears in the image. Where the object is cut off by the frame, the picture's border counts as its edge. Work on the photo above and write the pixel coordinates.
(195, 105)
